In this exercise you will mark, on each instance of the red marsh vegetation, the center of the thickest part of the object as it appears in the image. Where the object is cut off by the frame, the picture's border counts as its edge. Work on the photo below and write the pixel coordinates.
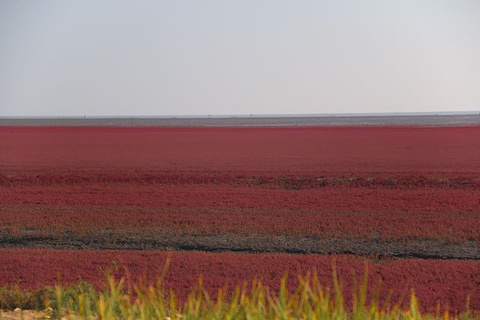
(379, 192)
(448, 282)
(284, 151)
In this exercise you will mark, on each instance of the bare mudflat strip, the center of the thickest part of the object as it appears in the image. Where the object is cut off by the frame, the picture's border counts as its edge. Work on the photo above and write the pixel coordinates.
(254, 121)
(249, 243)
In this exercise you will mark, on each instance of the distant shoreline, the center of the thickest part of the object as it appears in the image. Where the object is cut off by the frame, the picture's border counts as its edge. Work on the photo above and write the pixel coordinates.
(252, 121)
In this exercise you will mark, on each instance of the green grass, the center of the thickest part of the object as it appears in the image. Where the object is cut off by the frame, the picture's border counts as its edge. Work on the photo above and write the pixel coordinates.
(310, 300)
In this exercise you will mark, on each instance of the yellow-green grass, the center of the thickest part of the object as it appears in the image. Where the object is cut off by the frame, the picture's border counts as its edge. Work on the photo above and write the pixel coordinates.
(310, 300)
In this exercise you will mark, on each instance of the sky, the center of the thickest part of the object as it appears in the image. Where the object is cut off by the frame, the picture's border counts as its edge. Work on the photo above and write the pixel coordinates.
(166, 58)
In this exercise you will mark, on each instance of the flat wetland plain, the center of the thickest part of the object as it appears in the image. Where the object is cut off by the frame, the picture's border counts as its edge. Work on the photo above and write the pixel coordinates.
(242, 198)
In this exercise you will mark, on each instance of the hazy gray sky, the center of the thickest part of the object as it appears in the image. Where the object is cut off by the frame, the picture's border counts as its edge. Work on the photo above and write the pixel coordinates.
(69, 58)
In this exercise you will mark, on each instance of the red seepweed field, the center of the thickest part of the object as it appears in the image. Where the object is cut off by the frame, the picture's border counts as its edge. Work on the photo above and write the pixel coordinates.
(242, 150)
(259, 200)
(449, 282)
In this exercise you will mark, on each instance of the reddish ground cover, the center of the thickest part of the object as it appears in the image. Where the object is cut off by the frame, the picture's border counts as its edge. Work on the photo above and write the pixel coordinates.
(377, 183)
(208, 195)
(285, 150)
(448, 282)
(387, 182)
(420, 213)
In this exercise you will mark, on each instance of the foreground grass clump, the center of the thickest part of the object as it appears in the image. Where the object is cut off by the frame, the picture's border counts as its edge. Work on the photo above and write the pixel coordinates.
(310, 300)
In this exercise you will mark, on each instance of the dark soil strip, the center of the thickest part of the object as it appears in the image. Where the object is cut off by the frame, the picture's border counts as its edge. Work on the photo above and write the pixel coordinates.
(386, 180)
(425, 249)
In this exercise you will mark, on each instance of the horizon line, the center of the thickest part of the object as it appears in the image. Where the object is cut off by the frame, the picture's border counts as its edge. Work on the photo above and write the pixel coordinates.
(253, 115)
